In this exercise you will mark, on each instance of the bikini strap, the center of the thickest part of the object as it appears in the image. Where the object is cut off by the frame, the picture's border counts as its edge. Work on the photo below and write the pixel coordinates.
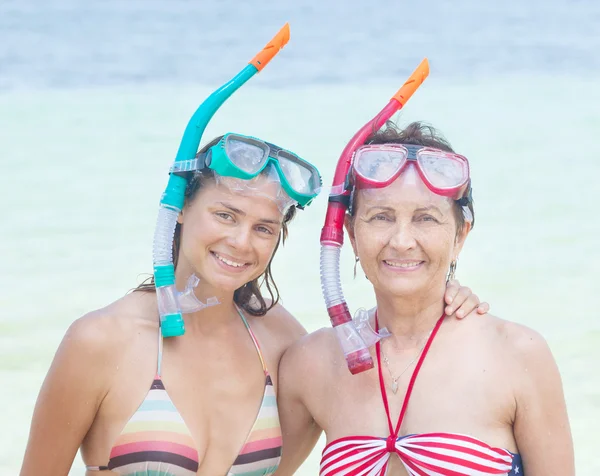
(160, 353)
(413, 378)
(256, 344)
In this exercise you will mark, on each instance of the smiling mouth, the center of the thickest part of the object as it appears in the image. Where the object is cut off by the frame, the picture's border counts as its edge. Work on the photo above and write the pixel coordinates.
(229, 262)
(403, 264)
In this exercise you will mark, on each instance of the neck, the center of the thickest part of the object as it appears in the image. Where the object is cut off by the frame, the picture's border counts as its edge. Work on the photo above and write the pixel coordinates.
(210, 319)
(410, 318)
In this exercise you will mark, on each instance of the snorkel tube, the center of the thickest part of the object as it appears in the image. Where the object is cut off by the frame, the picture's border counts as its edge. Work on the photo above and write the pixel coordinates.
(353, 345)
(173, 197)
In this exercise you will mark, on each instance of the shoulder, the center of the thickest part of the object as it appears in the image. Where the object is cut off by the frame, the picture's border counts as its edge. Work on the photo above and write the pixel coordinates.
(93, 348)
(522, 342)
(281, 326)
(537, 384)
(524, 349)
(310, 365)
(313, 353)
(319, 339)
(102, 333)
(527, 347)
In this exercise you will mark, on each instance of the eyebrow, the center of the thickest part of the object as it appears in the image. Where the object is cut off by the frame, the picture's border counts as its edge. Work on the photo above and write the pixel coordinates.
(379, 207)
(242, 213)
(430, 207)
(420, 209)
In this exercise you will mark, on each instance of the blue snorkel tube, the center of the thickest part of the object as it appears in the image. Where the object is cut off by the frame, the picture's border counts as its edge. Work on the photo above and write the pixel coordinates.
(171, 203)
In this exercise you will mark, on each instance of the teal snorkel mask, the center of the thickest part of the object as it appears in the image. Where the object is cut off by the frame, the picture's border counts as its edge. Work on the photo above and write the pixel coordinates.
(172, 201)
(244, 157)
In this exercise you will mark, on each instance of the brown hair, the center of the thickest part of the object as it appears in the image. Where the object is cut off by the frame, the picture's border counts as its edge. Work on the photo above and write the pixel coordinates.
(249, 296)
(416, 133)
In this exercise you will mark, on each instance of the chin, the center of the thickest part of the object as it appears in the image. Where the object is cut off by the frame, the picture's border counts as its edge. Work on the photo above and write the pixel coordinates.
(404, 288)
(229, 285)
(219, 283)
(226, 281)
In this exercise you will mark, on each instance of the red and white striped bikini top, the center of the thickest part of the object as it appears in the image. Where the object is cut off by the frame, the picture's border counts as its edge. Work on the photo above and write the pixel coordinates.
(427, 454)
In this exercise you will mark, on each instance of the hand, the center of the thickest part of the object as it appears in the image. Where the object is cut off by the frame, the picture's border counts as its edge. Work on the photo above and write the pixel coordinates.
(461, 301)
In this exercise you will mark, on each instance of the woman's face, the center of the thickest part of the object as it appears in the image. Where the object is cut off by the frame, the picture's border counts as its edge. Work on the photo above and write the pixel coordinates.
(405, 235)
(228, 238)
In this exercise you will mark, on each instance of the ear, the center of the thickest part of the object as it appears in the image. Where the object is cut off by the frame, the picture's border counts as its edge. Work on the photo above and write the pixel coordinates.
(349, 226)
(460, 239)
(180, 217)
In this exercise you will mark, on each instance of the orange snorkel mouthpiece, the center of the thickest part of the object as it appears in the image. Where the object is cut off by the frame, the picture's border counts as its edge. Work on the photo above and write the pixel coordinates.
(272, 48)
(412, 83)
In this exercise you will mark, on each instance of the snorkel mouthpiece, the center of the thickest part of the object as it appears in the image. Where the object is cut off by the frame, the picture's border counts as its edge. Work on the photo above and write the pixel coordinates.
(268, 52)
(173, 197)
(353, 345)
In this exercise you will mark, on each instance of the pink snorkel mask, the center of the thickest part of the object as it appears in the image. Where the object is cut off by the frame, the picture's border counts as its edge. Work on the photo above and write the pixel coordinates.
(354, 339)
(378, 165)
(444, 173)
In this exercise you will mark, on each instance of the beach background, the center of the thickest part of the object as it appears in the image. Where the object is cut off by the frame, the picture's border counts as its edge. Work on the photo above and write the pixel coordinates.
(94, 97)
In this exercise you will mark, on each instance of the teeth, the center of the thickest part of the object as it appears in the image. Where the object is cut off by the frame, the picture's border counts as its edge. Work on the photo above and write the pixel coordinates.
(230, 263)
(412, 264)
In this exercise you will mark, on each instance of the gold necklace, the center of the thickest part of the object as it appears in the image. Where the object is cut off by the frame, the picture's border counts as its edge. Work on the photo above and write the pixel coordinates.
(387, 364)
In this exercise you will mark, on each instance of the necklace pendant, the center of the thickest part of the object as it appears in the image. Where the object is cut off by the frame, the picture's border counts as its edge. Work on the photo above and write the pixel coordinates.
(394, 386)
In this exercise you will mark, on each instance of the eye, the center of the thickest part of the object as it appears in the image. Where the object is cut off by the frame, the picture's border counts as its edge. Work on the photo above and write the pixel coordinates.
(381, 217)
(224, 216)
(264, 229)
(427, 218)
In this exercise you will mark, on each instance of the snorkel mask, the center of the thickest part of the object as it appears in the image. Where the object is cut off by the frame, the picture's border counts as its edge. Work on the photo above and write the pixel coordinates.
(238, 160)
(447, 174)
(172, 303)
(354, 338)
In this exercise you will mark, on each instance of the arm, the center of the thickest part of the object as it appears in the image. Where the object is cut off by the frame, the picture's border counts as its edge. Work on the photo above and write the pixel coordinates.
(68, 401)
(541, 425)
(300, 431)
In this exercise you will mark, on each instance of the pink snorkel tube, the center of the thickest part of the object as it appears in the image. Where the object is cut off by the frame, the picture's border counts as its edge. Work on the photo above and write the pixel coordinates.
(353, 345)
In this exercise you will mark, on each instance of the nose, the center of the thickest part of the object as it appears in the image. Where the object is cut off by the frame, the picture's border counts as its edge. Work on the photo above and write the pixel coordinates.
(402, 237)
(240, 238)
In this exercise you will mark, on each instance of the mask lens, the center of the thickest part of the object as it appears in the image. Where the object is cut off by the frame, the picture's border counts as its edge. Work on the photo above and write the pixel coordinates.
(301, 176)
(248, 156)
(443, 170)
(379, 165)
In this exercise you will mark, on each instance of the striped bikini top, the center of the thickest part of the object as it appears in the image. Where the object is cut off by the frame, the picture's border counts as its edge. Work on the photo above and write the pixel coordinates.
(157, 442)
(426, 454)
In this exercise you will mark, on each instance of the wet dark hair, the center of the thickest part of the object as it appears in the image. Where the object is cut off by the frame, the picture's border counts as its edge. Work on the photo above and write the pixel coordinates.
(416, 133)
(249, 296)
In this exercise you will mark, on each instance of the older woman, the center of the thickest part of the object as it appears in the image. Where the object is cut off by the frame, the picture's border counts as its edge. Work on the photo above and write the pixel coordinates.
(480, 397)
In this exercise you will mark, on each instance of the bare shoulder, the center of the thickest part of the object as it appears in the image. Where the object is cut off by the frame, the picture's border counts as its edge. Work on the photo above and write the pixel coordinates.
(313, 353)
(319, 339)
(524, 345)
(281, 326)
(103, 332)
